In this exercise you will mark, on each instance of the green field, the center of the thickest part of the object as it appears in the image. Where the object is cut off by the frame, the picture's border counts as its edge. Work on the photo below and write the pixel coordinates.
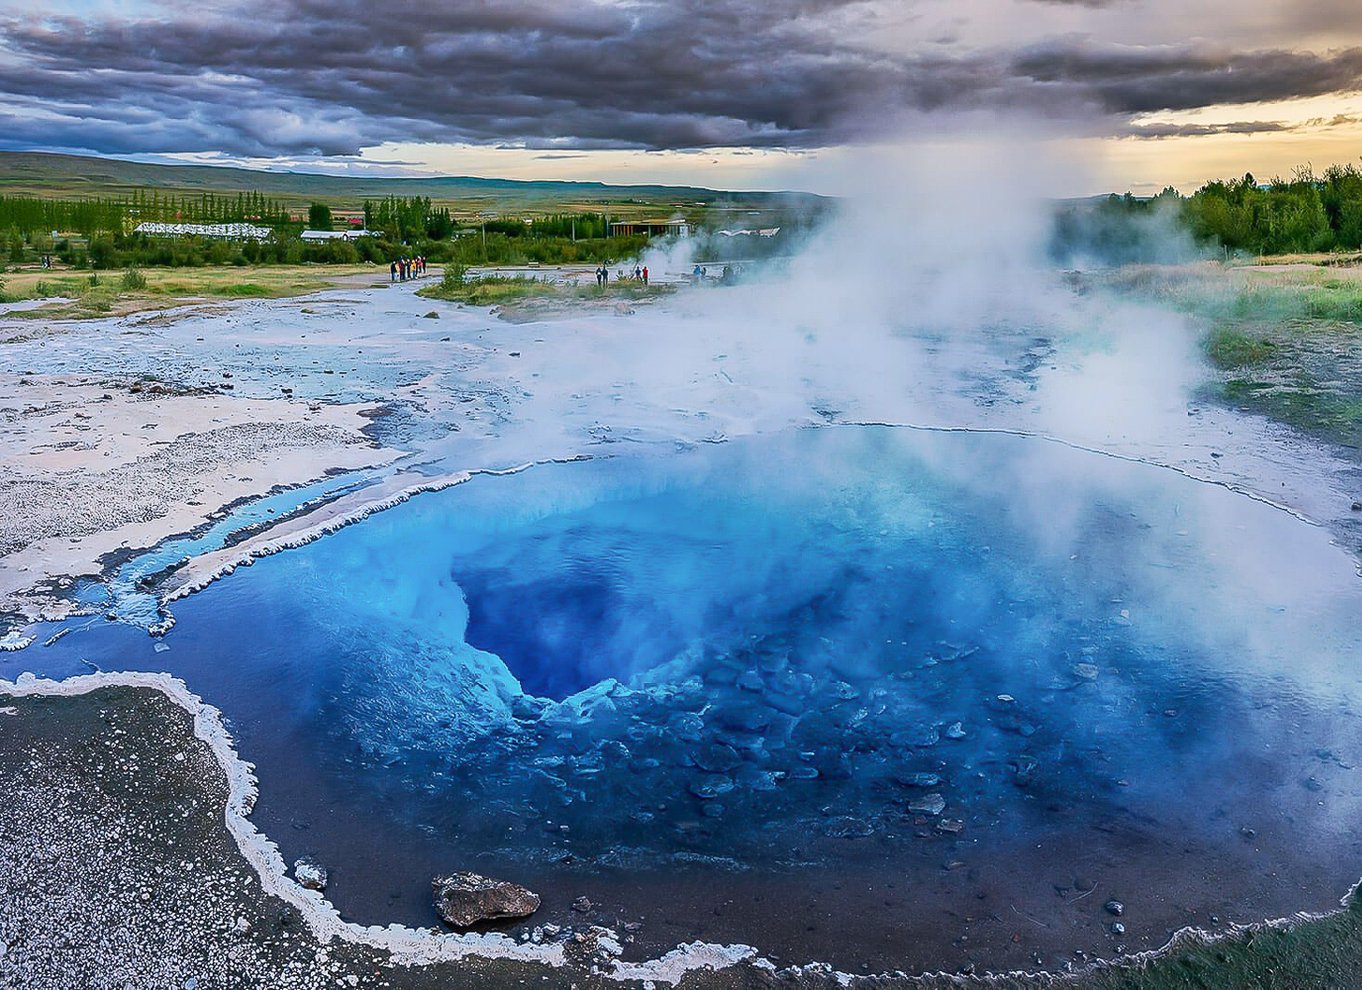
(60, 176)
(79, 295)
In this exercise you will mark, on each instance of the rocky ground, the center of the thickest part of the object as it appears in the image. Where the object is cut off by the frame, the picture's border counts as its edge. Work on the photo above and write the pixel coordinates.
(91, 467)
(116, 870)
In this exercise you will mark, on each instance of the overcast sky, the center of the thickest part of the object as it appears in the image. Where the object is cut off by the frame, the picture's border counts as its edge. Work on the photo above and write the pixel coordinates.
(739, 93)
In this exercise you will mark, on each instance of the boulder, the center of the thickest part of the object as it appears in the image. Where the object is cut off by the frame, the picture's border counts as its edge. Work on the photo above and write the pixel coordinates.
(464, 899)
(310, 874)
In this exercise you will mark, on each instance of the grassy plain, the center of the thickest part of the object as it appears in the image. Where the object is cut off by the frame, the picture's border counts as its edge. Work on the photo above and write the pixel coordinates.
(1284, 336)
(75, 177)
(84, 295)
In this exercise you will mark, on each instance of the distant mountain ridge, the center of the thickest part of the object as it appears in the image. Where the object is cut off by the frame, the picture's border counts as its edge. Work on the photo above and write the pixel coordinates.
(47, 174)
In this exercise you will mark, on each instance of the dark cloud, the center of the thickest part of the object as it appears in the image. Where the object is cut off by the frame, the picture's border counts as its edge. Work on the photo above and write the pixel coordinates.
(329, 77)
(1158, 131)
(1129, 80)
(1167, 130)
(1094, 4)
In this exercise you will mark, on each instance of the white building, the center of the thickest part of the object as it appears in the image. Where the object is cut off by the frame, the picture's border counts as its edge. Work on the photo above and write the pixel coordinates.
(220, 231)
(337, 235)
(650, 228)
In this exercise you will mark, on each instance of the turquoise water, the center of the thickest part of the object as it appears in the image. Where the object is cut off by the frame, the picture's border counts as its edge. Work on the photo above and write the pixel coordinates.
(766, 658)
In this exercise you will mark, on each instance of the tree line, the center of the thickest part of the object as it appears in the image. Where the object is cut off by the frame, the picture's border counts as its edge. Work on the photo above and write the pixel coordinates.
(100, 233)
(30, 215)
(1303, 214)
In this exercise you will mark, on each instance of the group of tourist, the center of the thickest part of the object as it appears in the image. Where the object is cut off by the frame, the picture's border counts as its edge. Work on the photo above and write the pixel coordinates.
(730, 274)
(603, 275)
(407, 268)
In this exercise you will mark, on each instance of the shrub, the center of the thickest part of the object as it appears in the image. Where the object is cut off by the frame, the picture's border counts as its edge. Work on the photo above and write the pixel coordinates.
(134, 279)
(454, 277)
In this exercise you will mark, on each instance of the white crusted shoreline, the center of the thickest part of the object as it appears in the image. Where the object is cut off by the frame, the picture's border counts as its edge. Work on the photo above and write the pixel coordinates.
(201, 571)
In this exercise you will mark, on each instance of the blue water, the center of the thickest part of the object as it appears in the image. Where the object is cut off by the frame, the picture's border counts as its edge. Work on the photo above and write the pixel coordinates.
(752, 654)
(127, 591)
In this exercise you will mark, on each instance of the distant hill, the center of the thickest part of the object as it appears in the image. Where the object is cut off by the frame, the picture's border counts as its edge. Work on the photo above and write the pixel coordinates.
(42, 174)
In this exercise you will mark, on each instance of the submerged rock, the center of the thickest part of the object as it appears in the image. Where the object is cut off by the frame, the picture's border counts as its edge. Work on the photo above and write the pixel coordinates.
(1024, 770)
(846, 827)
(711, 786)
(464, 899)
(918, 779)
(716, 758)
(928, 804)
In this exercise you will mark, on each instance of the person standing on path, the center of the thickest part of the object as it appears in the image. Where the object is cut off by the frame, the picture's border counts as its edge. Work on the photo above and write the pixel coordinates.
(645, 274)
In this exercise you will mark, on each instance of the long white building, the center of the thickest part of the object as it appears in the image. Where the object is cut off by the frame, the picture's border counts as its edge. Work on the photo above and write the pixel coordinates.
(221, 231)
(336, 235)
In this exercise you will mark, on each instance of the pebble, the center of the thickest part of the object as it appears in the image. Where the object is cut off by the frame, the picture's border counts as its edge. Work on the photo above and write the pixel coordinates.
(710, 786)
(928, 804)
(918, 779)
(1115, 907)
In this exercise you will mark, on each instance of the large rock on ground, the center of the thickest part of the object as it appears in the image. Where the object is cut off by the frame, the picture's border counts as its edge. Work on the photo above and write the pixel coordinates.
(310, 874)
(464, 899)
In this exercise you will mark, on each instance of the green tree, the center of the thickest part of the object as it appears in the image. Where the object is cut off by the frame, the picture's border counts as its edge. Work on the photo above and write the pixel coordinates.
(319, 216)
(102, 251)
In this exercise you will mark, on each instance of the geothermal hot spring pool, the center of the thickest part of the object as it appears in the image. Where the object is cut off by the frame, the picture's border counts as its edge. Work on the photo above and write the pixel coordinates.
(884, 698)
